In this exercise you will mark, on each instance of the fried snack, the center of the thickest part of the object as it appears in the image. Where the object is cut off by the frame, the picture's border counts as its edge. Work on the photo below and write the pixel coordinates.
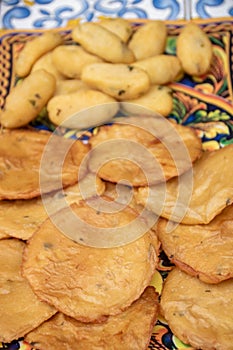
(3, 235)
(34, 49)
(119, 26)
(149, 40)
(90, 186)
(45, 62)
(82, 109)
(21, 310)
(103, 43)
(26, 100)
(204, 251)
(194, 49)
(210, 193)
(85, 282)
(122, 194)
(157, 99)
(118, 149)
(120, 81)
(20, 158)
(161, 69)
(20, 218)
(68, 86)
(198, 313)
(71, 59)
(130, 330)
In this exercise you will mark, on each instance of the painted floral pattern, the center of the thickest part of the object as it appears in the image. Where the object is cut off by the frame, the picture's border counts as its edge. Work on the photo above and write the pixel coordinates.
(212, 8)
(54, 13)
(204, 103)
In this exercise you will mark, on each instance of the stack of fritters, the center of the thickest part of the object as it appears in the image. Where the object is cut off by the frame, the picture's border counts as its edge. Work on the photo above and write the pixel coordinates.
(100, 295)
(197, 237)
(195, 230)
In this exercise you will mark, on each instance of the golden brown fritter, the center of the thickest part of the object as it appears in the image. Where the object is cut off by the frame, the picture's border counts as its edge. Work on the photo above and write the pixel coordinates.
(130, 153)
(24, 176)
(21, 311)
(198, 313)
(205, 251)
(21, 218)
(195, 197)
(129, 330)
(85, 282)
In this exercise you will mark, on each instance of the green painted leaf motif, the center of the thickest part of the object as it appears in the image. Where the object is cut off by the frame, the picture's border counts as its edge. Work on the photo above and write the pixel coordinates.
(200, 116)
(225, 142)
(42, 119)
(216, 41)
(179, 110)
(223, 87)
(171, 45)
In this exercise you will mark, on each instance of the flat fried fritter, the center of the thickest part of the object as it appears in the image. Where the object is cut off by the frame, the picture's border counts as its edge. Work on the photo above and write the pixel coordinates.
(133, 155)
(20, 309)
(195, 197)
(198, 313)
(129, 330)
(201, 250)
(24, 176)
(86, 282)
(21, 218)
(122, 194)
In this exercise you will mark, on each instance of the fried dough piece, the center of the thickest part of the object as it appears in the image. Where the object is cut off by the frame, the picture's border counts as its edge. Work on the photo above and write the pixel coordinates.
(130, 330)
(131, 154)
(198, 313)
(20, 218)
(210, 186)
(122, 194)
(3, 235)
(20, 309)
(204, 251)
(85, 282)
(23, 175)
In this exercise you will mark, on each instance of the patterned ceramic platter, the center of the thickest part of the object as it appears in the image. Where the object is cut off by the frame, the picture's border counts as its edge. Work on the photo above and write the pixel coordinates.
(205, 103)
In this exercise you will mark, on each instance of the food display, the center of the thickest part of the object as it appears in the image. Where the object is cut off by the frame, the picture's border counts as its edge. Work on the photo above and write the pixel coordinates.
(115, 194)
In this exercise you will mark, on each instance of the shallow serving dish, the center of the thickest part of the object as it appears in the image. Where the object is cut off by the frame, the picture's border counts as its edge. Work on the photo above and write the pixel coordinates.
(205, 103)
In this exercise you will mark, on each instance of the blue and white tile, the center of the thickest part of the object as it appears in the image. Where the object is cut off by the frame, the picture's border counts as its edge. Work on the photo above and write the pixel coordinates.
(212, 8)
(56, 13)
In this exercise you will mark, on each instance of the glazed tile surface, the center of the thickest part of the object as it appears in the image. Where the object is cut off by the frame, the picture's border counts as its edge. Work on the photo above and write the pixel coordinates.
(213, 8)
(26, 14)
(56, 13)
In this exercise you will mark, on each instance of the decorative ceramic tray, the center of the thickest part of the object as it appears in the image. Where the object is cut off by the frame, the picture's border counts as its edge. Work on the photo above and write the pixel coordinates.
(205, 103)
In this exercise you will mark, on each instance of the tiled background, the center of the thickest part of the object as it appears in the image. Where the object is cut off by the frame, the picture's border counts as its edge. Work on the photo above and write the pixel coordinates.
(56, 13)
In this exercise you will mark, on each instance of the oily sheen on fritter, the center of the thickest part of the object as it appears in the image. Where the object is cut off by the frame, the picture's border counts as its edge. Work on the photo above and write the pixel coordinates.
(20, 309)
(20, 218)
(143, 150)
(24, 176)
(195, 197)
(129, 330)
(198, 313)
(201, 250)
(85, 282)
